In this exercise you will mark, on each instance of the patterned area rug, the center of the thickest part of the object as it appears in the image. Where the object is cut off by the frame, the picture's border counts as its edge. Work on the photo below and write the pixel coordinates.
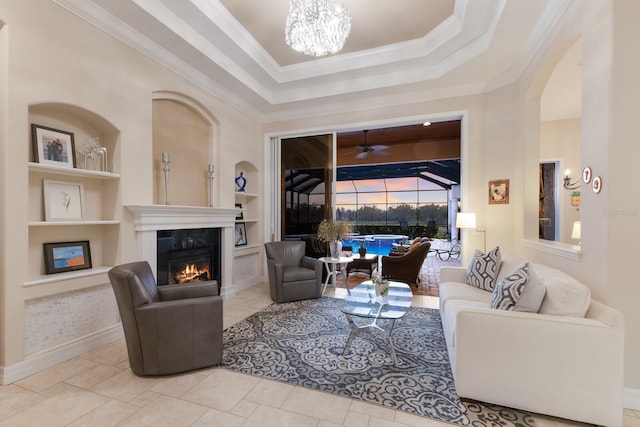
(301, 343)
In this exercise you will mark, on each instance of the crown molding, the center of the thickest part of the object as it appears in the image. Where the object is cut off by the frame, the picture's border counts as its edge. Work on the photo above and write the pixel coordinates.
(241, 73)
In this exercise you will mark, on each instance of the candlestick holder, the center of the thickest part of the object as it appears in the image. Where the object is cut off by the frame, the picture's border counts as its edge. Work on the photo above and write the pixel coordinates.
(211, 168)
(165, 168)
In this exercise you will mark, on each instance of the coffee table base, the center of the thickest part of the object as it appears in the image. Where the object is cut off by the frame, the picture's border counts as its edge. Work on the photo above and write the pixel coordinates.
(373, 326)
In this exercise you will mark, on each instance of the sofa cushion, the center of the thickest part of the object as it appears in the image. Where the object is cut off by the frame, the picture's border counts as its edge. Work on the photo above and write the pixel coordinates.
(461, 291)
(508, 291)
(565, 296)
(533, 295)
(510, 263)
(483, 269)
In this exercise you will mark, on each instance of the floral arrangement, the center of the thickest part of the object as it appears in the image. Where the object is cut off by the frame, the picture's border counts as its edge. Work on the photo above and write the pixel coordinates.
(381, 285)
(330, 231)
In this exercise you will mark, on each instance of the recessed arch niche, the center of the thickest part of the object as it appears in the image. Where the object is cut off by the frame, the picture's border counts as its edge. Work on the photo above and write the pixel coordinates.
(556, 92)
(189, 133)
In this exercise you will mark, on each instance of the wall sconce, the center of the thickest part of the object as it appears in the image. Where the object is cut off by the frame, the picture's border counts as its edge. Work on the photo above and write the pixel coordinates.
(568, 184)
(467, 220)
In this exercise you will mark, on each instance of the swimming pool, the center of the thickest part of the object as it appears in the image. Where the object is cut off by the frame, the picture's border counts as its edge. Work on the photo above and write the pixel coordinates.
(379, 244)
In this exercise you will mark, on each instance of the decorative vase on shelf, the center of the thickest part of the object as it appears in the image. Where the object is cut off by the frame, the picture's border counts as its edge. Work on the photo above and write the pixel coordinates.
(241, 183)
(335, 248)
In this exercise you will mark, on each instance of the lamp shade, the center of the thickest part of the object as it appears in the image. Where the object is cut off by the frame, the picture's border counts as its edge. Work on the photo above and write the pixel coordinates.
(466, 220)
(576, 231)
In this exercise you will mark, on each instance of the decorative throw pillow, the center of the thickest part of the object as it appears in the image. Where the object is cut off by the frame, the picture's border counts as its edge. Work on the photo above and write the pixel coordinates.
(531, 299)
(508, 292)
(483, 269)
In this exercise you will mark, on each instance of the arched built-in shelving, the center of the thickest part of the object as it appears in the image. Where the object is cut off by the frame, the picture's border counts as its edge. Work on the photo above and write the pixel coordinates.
(101, 217)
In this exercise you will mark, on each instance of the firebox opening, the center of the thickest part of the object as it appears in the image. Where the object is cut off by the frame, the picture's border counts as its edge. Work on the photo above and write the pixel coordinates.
(189, 256)
(191, 270)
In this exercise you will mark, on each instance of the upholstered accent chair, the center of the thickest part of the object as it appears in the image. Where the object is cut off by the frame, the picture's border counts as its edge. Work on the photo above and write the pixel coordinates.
(406, 268)
(168, 329)
(292, 275)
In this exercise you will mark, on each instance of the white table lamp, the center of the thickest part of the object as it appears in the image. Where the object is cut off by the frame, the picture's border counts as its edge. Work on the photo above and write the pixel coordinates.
(576, 231)
(467, 220)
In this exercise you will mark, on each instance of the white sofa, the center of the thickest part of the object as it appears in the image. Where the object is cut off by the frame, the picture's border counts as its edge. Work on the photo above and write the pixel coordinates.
(566, 364)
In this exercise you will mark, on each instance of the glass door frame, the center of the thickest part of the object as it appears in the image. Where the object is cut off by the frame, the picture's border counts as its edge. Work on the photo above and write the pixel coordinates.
(276, 182)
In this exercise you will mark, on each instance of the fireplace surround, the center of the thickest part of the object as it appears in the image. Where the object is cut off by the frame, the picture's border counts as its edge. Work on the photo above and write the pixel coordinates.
(151, 223)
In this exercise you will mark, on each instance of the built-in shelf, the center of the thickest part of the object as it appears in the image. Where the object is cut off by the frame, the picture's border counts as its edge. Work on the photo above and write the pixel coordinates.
(56, 170)
(72, 223)
(59, 277)
(565, 250)
(245, 250)
(241, 194)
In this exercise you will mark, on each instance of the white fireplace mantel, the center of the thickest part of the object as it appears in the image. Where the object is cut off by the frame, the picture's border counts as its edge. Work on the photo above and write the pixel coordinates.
(148, 219)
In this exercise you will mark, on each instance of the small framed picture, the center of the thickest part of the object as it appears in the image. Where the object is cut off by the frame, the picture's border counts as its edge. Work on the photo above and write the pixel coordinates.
(499, 192)
(586, 175)
(239, 216)
(53, 147)
(241, 234)
(63, 201)
(66, 256)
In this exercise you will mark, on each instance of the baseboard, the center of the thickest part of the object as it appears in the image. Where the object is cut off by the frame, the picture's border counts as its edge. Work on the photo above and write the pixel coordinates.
(241, 286)
(631, 398)
(53, 356)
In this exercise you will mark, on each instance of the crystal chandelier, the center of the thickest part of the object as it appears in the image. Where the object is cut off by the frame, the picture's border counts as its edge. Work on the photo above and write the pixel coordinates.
(317, 27)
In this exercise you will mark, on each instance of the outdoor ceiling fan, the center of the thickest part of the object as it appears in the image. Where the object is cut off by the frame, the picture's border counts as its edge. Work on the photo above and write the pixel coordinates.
(365, 149)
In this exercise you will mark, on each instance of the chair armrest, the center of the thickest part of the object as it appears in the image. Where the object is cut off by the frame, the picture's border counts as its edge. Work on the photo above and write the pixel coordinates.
(309, 262)
(186, 291)
(453, 274)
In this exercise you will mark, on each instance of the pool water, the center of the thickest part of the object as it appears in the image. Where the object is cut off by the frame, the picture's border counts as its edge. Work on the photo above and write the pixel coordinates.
(379, 244)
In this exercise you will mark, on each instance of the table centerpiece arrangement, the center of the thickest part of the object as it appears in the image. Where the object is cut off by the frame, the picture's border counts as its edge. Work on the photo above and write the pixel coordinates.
(333, 232)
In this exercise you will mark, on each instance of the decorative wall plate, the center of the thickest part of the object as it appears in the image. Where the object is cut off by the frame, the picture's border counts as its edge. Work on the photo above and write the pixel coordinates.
(586, 175)
(596, 185)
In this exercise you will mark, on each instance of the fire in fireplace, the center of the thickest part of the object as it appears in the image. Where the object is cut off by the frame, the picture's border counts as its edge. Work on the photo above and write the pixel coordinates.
(190, 272)
(188, 256)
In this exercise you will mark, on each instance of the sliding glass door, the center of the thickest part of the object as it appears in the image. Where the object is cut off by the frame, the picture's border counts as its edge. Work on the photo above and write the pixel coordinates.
(306, 184)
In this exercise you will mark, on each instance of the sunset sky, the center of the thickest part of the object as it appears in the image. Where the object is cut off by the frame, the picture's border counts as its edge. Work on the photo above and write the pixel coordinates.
(372, 192)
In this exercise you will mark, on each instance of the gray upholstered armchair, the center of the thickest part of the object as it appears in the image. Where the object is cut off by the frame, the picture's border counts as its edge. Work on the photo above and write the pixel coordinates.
(292, 275)
(170, 328)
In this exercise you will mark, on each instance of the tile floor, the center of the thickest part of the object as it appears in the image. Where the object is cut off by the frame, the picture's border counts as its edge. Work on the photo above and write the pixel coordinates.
(98, 389)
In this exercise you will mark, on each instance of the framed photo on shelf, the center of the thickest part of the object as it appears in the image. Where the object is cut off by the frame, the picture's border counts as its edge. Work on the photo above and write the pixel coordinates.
(53, 147)
(499, 192)
(240, 216)
(66, 256)
(63, 201)
(241, 234)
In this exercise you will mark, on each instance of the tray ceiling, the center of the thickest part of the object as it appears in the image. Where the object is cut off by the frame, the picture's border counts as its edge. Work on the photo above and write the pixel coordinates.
(398, 52)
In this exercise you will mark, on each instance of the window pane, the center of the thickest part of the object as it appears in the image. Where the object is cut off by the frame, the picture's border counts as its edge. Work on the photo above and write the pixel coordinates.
(368, 185)
(402, 184)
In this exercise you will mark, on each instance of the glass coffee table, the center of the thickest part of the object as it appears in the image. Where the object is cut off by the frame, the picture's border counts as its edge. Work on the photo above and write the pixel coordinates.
(363, 303)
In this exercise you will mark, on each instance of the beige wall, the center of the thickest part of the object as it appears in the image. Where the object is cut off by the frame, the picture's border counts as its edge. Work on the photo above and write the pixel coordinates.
(50, 55)
(501, 134)
(184, 136)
